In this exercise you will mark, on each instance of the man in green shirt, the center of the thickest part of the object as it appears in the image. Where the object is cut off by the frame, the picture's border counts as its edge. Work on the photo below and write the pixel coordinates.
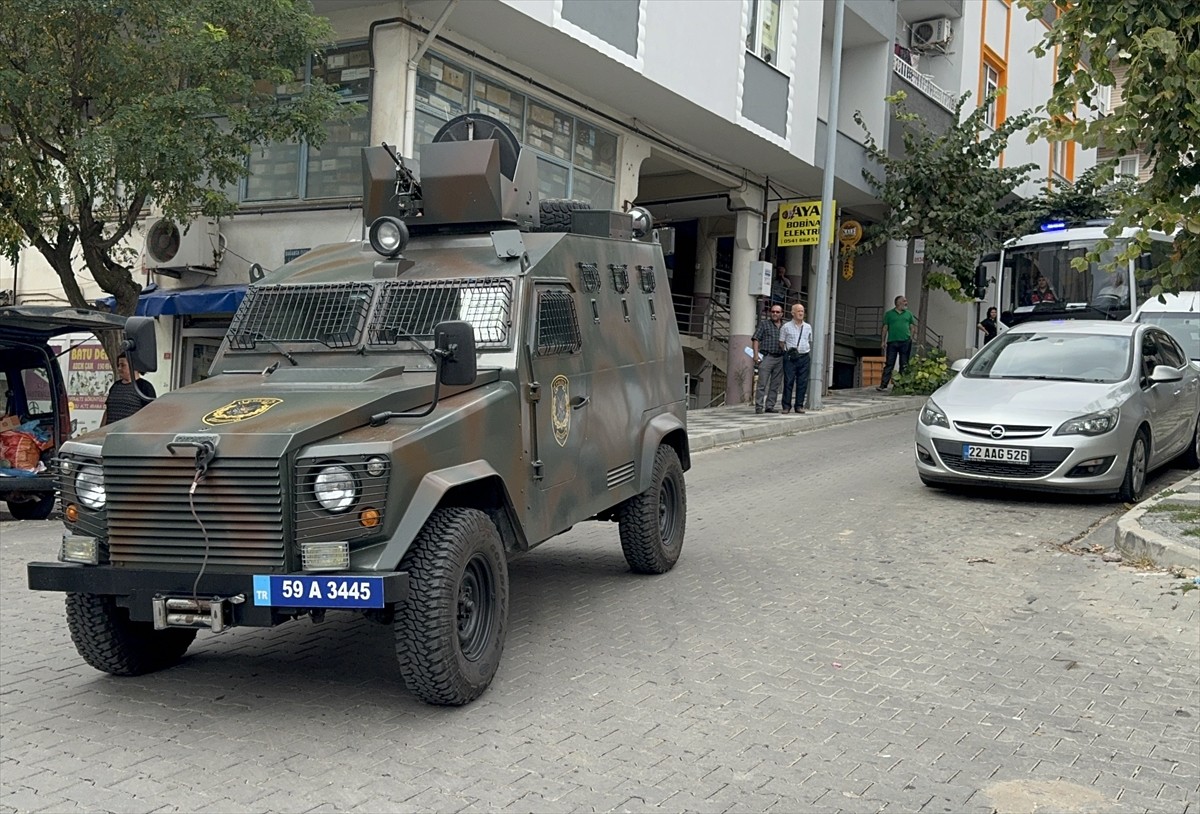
(897, 339)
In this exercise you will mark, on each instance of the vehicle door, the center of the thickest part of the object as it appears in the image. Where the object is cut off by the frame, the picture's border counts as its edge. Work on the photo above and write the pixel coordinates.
(1186, 391)
(1164, 400)
(558, 405)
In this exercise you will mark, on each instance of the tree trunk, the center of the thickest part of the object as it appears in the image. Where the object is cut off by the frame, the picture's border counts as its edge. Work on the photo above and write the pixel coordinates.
(922, 337)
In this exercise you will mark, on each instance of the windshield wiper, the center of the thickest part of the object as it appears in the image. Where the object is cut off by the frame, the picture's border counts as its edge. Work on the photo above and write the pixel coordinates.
(278, 347)
(1049, 378)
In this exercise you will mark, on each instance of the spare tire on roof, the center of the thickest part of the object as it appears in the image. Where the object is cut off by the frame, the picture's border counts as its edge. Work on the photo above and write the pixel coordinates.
(554, 214)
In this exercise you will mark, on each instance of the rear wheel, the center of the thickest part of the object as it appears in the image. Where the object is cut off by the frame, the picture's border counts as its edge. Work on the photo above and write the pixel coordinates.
(652, 523)
(450, 631)
(111, 642)
(36, 508)
(1135, 470)
(1191, 455)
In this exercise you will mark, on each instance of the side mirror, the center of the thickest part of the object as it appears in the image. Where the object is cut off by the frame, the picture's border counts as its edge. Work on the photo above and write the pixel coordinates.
(1145, 261)
(141, 345)
(981, 279)
(958, 364)
(1165, 373)
(454, 342)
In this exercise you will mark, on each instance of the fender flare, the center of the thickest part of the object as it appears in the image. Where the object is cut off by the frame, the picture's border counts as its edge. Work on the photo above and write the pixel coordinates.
(658, 428)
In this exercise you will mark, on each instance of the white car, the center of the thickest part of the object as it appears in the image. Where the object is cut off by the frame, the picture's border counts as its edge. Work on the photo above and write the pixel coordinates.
(1179, 315)
(1080, 406)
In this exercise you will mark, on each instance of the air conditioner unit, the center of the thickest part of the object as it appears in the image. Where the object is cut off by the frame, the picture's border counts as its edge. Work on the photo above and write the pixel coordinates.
(930, 34)
(193, 246)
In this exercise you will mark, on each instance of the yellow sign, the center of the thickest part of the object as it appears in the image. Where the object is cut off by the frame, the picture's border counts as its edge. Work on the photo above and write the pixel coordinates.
(851, 233)
(800, 223)
(239, 410)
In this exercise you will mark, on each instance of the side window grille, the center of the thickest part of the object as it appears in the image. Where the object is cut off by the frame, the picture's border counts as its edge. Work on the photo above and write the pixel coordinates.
(591, 276)
(557, 325)
(413, 308)
(620, 275)
(646, 278)
(330, 315)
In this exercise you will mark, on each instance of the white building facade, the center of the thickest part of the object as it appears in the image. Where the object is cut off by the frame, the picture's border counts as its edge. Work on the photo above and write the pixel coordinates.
(710, 114)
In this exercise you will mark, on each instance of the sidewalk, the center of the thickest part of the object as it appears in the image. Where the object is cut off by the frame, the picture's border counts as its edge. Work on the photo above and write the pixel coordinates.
(1159, 528)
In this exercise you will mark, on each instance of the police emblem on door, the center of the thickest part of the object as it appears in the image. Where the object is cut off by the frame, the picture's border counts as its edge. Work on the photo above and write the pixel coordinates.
(560, 401)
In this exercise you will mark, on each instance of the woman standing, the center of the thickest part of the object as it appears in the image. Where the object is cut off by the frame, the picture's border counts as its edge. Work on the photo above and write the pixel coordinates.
(988, 326)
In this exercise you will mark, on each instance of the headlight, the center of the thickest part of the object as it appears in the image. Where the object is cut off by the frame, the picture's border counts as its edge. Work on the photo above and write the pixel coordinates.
(376, 467)
(334, 488)
(388, 236)
(932, 416)
(89, 486)
(1090, 424)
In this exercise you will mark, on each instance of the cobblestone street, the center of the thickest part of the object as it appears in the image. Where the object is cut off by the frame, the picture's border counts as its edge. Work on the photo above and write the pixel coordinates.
(836, 637)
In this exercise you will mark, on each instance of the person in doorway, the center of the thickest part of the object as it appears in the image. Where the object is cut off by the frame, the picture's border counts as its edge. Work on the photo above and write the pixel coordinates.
(768, 356)
(780, 286)
(1042, 291)
(796, 337)
(128, 394)
(989, 326)
(897, 339)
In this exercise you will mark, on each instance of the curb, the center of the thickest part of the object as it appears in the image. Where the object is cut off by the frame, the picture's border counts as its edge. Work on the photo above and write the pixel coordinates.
(702, 440)
(1135, 541)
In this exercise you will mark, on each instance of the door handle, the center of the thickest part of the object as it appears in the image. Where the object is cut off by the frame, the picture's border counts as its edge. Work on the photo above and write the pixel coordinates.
(579, 401)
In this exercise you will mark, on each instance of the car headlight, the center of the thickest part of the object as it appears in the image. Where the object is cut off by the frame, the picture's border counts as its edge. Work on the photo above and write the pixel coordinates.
(1090, 424)
(335, 489)
(89, 486)
(932, 416)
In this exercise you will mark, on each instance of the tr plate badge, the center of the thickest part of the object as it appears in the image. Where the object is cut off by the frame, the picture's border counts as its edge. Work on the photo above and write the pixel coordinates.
(239, 410)
(560, 400)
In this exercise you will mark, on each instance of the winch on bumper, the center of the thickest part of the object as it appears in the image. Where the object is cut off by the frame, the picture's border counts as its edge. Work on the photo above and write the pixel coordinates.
(219, 601)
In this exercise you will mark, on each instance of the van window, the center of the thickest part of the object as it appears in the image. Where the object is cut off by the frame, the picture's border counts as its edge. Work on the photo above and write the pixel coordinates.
(557, 324)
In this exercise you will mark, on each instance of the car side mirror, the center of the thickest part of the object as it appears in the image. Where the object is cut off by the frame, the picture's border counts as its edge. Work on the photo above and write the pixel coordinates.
(141, 345)
(1164, 373)
(454, 342)
(959, 364)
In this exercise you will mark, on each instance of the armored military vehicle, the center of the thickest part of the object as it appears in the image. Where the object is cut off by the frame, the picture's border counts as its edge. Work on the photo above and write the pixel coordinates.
(387, 421)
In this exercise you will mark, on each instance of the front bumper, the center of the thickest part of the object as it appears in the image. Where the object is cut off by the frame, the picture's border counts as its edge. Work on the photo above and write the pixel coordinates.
(1055, 462)
(136, 589)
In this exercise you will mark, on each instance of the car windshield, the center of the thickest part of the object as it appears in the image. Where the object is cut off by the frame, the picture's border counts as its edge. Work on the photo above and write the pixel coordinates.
(1184, 327)
(1053, 356)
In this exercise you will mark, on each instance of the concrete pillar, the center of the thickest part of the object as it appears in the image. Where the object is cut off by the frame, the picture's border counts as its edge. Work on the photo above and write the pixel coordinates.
(895, 273)
(743, 306)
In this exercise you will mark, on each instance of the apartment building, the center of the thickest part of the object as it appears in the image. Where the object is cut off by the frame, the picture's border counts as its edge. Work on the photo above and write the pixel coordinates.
(709, 113)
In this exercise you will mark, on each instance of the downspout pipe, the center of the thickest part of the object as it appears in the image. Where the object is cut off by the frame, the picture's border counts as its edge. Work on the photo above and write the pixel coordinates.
(410, 81)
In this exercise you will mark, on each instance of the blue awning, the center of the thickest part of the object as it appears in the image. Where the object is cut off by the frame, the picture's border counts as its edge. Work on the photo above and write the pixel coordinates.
(213, 299)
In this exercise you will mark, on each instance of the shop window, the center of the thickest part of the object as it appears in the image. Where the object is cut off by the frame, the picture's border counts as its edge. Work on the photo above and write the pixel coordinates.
(762, 38)
(576, 159)
(294, 170)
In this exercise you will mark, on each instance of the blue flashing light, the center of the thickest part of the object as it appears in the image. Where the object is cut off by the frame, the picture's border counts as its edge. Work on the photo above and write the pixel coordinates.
(1054, 226)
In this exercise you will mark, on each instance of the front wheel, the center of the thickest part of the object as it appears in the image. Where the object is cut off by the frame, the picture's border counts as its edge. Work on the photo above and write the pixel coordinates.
(450, 631)
(113, 643)
(38, 508)
(1135, 470)
(652, 523)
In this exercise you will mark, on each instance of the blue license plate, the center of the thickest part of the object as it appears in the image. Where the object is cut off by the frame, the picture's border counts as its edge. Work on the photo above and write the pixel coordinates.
(340, 591)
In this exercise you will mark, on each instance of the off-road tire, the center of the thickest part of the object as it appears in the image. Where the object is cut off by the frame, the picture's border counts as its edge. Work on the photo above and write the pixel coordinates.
(450, 631)
(37, 509)
(554, 214)
(109, 641)
(1135, 470)
(652, 524)
(1191, 455)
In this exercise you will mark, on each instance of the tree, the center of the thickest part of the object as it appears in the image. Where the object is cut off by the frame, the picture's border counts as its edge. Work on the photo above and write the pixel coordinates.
(1156, 46)
(946, 189)
(106, 105)
(1092, 195)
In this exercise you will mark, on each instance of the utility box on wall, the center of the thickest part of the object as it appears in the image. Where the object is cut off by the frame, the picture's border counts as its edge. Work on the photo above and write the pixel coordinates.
(760, 278)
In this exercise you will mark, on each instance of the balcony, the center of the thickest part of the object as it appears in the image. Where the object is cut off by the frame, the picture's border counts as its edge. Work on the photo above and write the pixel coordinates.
(944, 98)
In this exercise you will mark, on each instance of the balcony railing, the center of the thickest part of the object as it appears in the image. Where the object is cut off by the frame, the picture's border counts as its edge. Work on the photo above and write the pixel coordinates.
(923, 83)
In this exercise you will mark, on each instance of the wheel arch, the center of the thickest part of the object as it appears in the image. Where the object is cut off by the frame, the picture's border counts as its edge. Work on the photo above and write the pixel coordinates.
(665, 428)
(474, 485)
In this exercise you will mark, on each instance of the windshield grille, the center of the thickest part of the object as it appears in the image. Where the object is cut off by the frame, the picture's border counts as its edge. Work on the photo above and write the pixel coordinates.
(411, 309)
(332, 315)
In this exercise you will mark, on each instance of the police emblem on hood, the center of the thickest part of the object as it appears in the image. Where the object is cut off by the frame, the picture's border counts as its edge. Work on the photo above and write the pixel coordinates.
(560, 407)
(239, 410)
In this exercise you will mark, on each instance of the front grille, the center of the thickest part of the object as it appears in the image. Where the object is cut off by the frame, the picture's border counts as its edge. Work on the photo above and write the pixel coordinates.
(1011, 431)
(239, 503)
(1042, 461)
